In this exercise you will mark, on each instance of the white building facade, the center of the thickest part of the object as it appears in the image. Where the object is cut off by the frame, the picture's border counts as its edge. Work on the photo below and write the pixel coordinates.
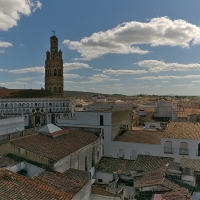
(110, 121)
(36, 110)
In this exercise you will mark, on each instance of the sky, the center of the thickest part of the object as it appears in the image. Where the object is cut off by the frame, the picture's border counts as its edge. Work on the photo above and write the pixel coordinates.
(113, 47)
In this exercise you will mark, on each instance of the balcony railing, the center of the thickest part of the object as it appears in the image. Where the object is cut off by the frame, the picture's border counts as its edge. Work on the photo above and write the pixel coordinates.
(183, 151)
(168, 150)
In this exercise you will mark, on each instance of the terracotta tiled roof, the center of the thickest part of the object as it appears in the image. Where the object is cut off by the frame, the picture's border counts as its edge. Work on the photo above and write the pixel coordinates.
(6, 161)
(47, 185)
(102, 192)
(58, 147)
(156, 178)
(28, 93)
(140, 136)
(182, 194)
(183, 130)
(182, 115)
(190, 163)
(110, 165)
(135, 116)
(149, 178)
(84, 176)
(148, 163)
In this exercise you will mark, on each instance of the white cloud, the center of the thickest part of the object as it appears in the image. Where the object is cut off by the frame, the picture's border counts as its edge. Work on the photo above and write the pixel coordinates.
(38, 82)
(12, 10)
(97, 70)
(22, 45)
(118, 84)
(72, 76)
(117, 72)
(14, 84)
(141, 86)
(26, 79)
(120, 40)
(165, 81)
(2, 51)
(75, 65)
(70, 82)
(5, 44)
(3, 70)
(157, 66)
(196, 81)
(183, 85)
(167, 77)
(98, 78)
(157, 85)
(114, 88)
(27, 70)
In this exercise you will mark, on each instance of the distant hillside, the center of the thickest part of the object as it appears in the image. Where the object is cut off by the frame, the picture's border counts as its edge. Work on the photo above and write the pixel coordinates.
(29, 93)
(32, 93)
(80, 93)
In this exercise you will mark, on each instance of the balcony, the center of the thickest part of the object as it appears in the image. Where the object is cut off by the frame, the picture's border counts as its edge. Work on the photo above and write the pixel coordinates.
(168, 150)
(183, 151)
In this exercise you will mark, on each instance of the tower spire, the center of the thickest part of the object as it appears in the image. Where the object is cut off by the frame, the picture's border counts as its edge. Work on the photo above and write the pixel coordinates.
(53, 32)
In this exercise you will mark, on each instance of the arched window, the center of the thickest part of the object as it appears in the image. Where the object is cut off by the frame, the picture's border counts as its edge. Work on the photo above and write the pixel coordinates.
(184, 145)
(184, 148)
(198, 151)
(59, 89)
(55, 90)
(55, 72)
(59, 72)
(168, 147)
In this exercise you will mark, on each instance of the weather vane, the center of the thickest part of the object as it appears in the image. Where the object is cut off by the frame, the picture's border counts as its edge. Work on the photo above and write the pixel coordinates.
(53, 32)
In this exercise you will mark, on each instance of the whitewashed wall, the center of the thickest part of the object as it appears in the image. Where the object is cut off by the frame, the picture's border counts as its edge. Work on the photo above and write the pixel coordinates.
(192, 146)
(106, 177)
(128, 147)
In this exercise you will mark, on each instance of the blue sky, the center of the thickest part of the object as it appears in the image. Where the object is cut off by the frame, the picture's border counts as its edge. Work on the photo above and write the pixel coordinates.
(127, 47)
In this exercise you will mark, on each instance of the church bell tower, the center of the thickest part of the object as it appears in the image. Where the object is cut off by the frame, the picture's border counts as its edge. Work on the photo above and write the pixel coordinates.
(54, 68)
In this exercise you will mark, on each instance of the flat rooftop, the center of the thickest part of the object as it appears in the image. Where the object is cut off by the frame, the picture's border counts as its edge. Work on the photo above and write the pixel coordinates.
(140, 136)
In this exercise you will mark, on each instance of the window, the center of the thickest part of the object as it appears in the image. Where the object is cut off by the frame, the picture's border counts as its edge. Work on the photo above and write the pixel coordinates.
(198, 151)
(55, 72)
(86, 163)
(55, 90)
(184, 148)
(98, 154)
(59, 72)
(93, 157)
(100, 180)
(168, 147)
(101, 120)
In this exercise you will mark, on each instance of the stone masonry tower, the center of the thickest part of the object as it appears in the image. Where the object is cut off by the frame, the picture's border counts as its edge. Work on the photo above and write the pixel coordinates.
(54, 68)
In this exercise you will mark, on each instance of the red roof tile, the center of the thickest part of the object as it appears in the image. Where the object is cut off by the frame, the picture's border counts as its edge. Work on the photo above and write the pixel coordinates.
(47, 185)
(58, 147)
